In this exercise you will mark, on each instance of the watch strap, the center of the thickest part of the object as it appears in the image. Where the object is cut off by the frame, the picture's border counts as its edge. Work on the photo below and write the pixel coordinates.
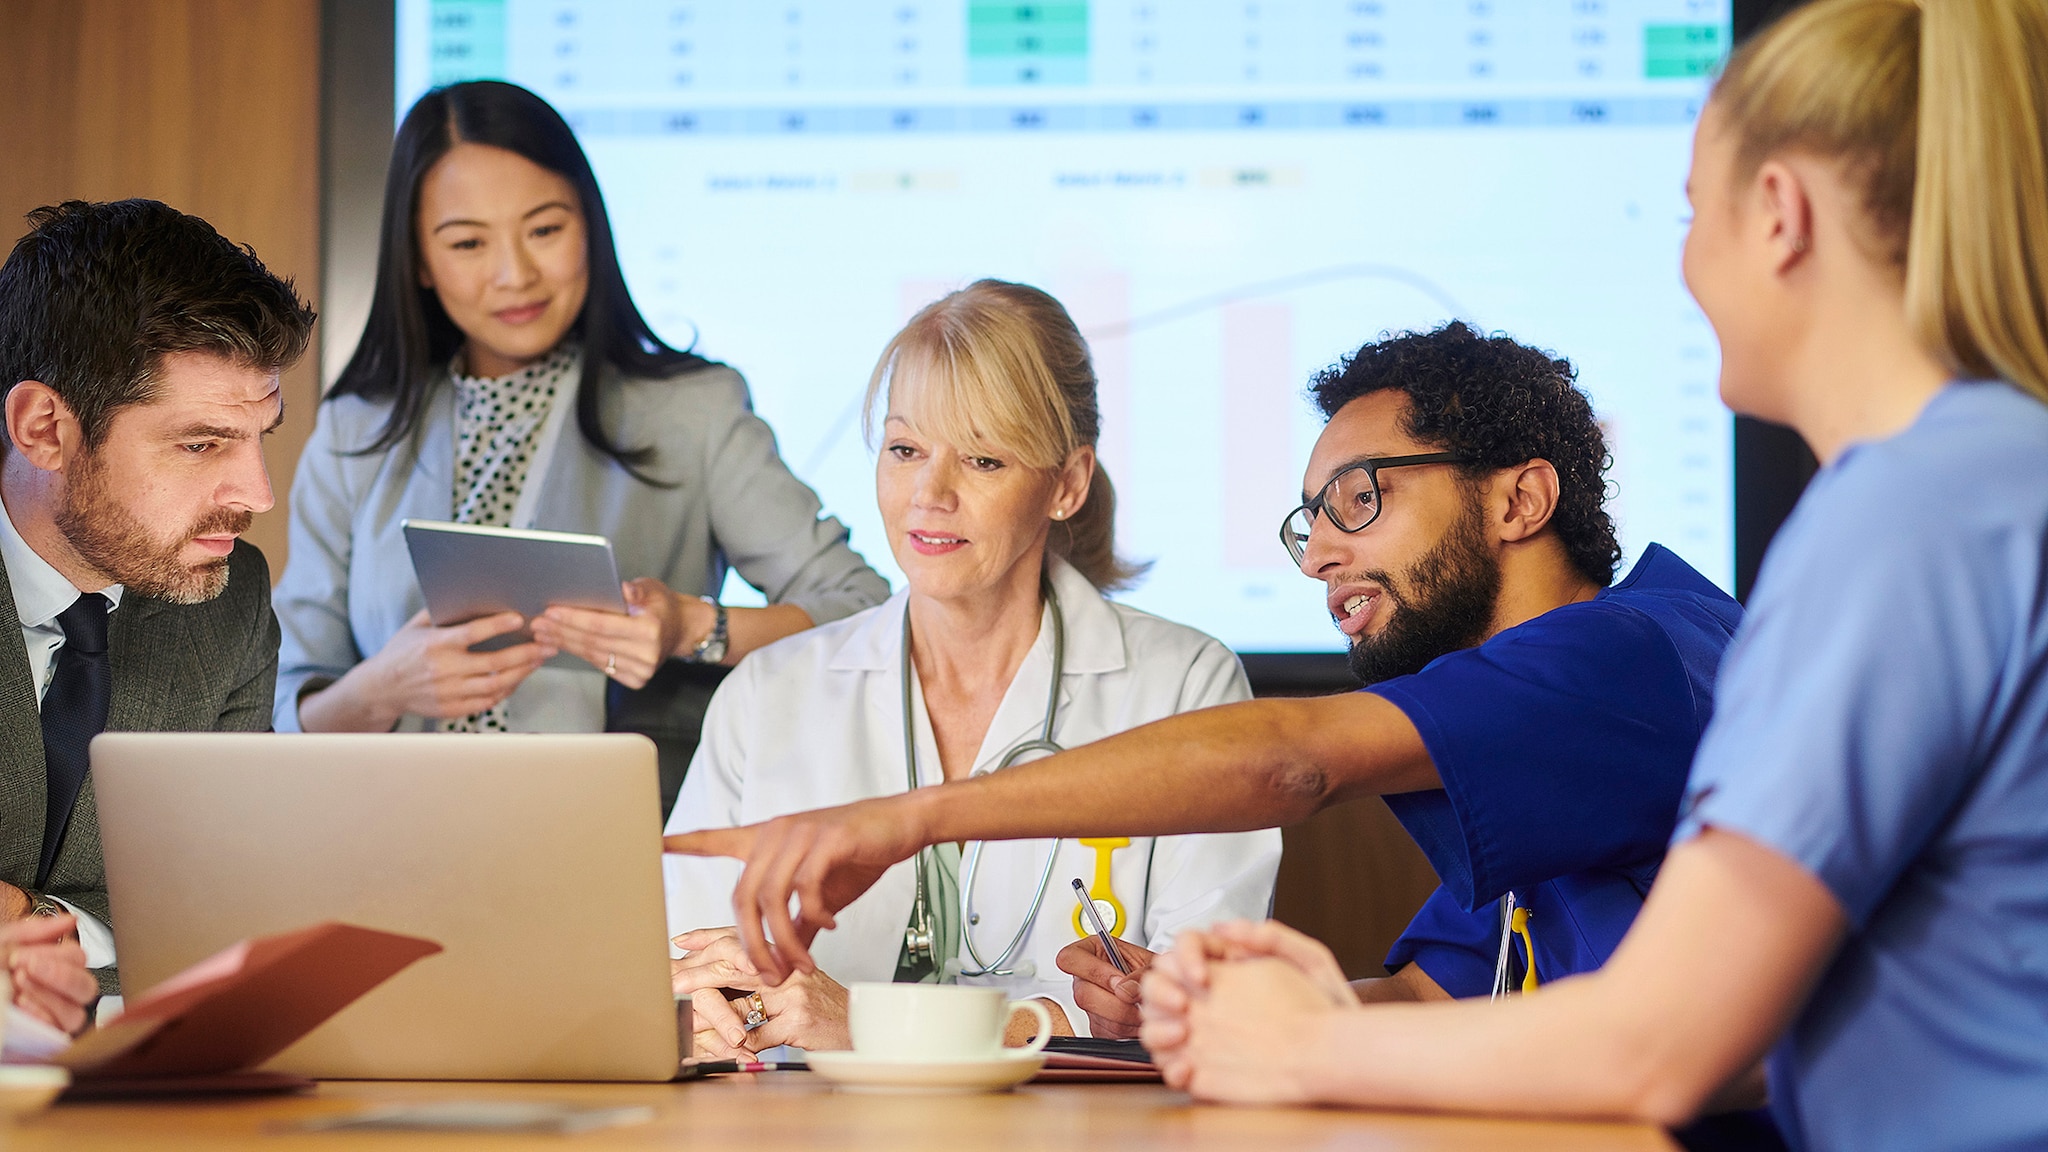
(711, 649)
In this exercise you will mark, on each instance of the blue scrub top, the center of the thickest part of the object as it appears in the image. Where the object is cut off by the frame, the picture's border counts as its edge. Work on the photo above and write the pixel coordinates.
(1883, 721)
(1563, 746)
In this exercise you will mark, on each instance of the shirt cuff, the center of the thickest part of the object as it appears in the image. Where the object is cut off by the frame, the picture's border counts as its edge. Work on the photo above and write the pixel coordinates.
(93, 935)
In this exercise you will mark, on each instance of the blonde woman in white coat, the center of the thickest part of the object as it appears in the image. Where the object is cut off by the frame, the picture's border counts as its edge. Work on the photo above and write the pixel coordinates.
(1001, 519)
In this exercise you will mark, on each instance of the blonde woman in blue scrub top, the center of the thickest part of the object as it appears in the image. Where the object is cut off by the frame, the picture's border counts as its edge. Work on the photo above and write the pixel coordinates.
(1002, 521)
(505, 378)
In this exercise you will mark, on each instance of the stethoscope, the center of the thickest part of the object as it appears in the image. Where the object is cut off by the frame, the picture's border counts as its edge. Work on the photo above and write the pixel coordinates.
(919, 939)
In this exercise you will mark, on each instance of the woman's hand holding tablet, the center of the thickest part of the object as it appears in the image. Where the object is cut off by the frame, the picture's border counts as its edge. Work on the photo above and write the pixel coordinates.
(658, 624)
(428, 671)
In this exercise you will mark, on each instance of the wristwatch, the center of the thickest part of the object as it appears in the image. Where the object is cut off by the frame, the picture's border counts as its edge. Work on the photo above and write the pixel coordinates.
(41, 905)
(711, 649)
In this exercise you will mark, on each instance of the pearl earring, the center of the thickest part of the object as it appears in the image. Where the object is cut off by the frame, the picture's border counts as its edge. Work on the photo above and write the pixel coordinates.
(1059, 513)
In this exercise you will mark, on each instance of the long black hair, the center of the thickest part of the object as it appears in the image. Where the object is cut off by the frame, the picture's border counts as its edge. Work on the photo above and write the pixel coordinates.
(409, 338)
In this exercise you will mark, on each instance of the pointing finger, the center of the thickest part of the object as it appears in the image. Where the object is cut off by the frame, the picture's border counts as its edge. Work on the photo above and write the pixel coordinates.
(735, 842)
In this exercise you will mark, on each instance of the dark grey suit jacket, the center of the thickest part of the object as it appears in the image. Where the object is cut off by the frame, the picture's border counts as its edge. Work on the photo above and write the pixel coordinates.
(177, 668)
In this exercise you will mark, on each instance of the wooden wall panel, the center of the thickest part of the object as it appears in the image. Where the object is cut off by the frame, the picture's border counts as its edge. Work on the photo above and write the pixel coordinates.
(212, 106)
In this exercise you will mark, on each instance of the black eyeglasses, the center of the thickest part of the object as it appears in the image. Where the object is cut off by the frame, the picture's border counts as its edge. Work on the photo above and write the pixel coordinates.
(1351, 500)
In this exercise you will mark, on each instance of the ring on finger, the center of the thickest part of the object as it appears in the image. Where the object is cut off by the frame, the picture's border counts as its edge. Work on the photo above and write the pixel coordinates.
(611, 665)
(757, 1011)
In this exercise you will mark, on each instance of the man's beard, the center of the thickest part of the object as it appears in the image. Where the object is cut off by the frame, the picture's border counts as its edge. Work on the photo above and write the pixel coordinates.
(106, 535)
(1445, 602)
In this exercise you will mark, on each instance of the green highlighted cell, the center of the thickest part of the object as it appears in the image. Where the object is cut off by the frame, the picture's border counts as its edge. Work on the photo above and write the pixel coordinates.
(465, 40)
(1027, 43)
(1682, 51)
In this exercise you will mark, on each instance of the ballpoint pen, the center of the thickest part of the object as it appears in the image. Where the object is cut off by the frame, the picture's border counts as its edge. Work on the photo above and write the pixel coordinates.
(1101, 932)
(696, 1068)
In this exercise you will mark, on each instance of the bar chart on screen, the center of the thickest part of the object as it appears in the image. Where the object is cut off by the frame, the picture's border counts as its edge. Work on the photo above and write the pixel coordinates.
(1228, 197)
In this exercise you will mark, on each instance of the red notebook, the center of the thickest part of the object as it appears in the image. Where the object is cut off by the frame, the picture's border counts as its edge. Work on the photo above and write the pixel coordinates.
(208, 1027)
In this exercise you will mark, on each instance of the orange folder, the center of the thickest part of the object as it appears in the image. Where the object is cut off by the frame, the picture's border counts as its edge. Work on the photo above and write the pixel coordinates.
(220, 1018)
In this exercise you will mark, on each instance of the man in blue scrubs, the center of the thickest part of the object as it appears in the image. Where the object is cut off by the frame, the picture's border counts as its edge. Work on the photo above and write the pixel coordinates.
(1530, 723)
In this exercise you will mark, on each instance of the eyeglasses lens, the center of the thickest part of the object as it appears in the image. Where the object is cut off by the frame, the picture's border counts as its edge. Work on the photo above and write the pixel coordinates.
(1294, 534)
(1351, 500)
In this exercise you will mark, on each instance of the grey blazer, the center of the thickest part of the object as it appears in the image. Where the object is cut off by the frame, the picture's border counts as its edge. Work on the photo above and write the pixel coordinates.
(177, 668)
(349, 586)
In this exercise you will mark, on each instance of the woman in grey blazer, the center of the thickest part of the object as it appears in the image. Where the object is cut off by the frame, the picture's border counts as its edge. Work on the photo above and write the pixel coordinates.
(500, 319)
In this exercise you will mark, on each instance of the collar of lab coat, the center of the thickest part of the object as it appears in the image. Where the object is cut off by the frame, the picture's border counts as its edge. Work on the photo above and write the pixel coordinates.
(1095, 645)
(1095, 638)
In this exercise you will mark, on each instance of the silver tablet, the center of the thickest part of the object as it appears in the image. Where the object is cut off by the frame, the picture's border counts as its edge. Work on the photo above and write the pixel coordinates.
(467, 571)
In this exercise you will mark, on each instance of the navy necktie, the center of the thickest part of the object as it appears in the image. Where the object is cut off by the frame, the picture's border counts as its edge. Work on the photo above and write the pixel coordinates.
(74, 711)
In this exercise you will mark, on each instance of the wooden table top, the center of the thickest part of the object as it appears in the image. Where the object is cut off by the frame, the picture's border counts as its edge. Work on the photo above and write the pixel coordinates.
(794, 1110)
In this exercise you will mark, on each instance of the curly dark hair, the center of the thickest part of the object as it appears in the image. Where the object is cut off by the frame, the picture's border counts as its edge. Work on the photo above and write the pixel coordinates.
(1503, 404)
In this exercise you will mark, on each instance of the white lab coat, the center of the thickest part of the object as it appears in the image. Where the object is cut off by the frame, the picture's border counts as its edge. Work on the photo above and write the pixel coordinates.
(817, 720)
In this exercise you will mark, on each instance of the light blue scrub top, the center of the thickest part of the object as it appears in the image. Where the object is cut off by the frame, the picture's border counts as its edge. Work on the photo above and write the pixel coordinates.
(1883, 720)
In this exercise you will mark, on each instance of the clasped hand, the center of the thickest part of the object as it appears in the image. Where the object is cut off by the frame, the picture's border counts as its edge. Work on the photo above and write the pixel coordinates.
(808, 1009)
(1232, 1014)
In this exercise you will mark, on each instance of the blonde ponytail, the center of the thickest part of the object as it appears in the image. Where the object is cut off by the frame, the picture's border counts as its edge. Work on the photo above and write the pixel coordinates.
(1977, 261)
(1940, 109)
(1087, 539)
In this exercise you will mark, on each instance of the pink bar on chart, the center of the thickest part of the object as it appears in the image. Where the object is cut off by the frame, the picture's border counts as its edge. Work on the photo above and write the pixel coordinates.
(1259, 483)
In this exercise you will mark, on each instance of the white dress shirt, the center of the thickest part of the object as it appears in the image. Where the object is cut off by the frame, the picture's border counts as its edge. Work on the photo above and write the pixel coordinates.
(40, 594)
(817, 720)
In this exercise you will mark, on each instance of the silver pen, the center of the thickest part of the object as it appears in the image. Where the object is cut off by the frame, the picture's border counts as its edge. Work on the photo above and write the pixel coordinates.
(1101, 932)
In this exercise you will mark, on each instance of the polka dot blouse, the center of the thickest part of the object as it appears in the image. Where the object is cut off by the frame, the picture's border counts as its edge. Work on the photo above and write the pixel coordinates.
(497, 427)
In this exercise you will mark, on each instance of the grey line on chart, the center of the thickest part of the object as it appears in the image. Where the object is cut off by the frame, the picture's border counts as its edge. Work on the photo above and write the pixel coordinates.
(1181, 311)
(1309, 279)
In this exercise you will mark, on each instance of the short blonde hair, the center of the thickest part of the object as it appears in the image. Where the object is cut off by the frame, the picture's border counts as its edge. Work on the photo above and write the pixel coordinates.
(1940, 109)
(1002, 365)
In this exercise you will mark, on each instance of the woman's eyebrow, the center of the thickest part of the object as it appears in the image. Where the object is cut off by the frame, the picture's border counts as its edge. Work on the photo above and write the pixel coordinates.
(528, 215)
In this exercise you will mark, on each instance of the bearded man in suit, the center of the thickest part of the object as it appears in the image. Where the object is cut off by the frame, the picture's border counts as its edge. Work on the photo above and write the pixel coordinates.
(140, 354)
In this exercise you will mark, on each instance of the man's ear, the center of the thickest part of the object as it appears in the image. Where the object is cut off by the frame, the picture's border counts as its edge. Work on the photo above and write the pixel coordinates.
(1531, 491)
(41, 425)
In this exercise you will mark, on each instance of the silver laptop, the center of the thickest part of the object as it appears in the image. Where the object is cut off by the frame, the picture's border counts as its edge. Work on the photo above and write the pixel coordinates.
(535, 861)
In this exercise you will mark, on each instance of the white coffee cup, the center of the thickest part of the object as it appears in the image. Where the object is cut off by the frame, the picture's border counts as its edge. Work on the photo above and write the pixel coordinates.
(936, 1022)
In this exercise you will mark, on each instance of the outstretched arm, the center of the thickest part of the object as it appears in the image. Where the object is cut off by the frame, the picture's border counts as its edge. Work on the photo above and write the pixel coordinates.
(1258, 764)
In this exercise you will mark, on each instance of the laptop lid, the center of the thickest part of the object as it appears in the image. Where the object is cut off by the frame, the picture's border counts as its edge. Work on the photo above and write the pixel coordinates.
(535, 861)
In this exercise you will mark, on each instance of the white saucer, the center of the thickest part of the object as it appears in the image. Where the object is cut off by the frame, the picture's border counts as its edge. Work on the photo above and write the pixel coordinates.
(855, 1073)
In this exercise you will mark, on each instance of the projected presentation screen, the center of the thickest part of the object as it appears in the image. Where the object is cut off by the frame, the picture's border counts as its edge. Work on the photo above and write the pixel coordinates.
(1227, 196)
